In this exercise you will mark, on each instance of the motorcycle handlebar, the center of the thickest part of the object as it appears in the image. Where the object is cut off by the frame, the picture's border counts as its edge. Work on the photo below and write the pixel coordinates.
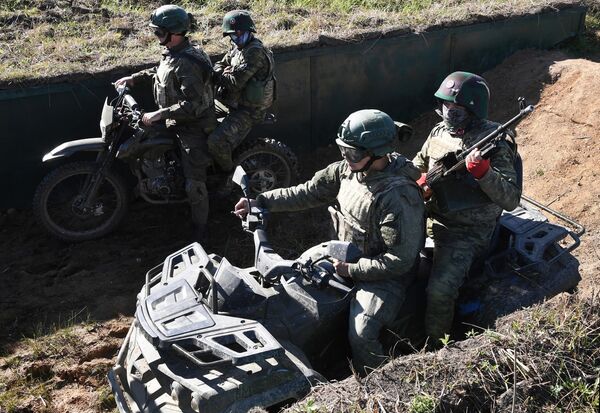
(130, 101)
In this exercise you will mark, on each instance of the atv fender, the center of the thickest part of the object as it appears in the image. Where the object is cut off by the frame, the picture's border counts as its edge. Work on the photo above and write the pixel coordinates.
(71, 147)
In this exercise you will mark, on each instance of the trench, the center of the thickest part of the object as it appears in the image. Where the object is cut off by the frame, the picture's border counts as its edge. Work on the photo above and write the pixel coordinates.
(317, 88)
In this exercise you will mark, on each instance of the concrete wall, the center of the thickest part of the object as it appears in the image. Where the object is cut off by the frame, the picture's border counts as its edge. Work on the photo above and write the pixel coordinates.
(317, 89)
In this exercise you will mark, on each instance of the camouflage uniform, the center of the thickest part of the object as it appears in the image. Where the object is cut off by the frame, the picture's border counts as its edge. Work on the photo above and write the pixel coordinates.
(462, 235)
(183, 91)
(382, 213)
(246, 85)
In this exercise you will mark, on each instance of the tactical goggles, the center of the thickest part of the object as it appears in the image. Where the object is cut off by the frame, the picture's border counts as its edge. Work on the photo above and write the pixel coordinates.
(352, 154)
(158, 32)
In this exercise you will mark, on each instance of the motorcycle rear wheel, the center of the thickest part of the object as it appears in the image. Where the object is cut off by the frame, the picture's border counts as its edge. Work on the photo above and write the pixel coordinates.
(58, 198)
(268, 163)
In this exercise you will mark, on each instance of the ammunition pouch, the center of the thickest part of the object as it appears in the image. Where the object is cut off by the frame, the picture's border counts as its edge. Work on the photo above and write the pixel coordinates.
(347, 230)
(254, 92)
(455, 191)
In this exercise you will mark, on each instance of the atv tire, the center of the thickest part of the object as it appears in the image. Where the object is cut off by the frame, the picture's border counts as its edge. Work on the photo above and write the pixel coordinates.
(268, 163)
(56, 203)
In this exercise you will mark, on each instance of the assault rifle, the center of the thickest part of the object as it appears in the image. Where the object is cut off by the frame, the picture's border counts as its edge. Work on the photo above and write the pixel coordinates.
(454, 161)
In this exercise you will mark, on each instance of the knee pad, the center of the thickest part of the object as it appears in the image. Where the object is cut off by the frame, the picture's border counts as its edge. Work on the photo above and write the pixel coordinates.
(364, 327)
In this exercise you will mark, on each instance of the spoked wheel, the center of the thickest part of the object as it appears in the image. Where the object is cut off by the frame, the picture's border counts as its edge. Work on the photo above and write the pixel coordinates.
(58, 203)
(268, 163)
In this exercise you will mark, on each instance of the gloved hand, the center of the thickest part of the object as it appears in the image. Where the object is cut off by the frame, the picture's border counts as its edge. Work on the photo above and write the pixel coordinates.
(477, 165)
(422, 182)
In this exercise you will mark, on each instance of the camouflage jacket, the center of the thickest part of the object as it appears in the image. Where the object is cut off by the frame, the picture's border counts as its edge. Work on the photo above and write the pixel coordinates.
(182, 84)
(240, 72)
(382, 212)
(499, 183)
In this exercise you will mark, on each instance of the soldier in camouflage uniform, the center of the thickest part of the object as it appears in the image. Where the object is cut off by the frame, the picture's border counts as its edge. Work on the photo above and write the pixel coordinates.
(380, 209)
(245, 84)
(183, 91)
(462, 229)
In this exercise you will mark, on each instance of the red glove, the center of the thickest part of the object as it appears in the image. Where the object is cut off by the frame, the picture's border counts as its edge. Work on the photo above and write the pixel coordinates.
(478, 168)
(422, 182)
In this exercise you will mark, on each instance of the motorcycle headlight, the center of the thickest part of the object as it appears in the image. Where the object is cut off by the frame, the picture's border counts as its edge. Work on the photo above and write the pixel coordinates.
(106, 118)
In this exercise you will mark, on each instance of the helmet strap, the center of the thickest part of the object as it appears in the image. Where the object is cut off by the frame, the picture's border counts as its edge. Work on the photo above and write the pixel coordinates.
(368, 164)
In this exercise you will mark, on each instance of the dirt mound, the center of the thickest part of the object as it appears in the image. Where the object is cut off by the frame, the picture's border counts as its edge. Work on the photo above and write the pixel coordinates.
(62, 372)
(560, 145)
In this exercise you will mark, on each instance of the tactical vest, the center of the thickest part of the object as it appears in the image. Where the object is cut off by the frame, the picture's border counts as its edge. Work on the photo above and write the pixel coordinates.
(167, 90)
(353, 220)
(257, 91)
(459, 190)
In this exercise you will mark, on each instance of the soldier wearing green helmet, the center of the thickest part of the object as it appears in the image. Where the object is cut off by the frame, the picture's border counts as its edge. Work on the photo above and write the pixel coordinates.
(183, 91)
(462, 229)
(375, 204)
(245, 84)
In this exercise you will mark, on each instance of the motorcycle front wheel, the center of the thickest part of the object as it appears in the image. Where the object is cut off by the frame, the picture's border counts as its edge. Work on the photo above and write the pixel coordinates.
(268, 163)
(58, 203)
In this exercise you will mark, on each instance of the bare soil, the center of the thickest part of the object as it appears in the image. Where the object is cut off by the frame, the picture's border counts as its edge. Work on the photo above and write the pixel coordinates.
(90, 288)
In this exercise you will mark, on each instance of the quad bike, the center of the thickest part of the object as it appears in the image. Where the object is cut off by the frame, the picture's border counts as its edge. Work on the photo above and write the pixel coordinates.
(84, 200)
(211, 337)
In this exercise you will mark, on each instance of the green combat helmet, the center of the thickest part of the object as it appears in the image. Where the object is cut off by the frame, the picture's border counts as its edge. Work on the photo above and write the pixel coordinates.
(370, 131)
(468, 90)
(237, 20)
(171, 18)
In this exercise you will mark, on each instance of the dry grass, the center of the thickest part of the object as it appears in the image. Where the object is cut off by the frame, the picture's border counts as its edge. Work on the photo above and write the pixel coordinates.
(544, 359)
(42, 39)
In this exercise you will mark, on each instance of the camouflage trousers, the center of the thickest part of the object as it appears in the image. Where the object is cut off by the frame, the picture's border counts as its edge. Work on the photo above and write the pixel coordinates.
(453, 255)
(194, 161)
(371, 311)
(230, 134)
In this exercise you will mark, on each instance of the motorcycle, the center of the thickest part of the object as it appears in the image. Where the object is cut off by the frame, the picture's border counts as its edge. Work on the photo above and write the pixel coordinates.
(84, 200)
(211, 337)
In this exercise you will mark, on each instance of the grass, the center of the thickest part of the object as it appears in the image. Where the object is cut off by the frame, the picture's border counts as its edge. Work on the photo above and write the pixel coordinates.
(52, 357)
(589, 42)
(542, 359)
(44, 39)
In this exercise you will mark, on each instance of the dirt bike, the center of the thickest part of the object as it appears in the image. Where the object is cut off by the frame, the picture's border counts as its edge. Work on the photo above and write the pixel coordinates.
(212, 337)
(87, 199)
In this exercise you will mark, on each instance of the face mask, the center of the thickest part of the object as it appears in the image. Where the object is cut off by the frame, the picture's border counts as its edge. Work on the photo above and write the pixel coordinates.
(455, 118)
(240, 40)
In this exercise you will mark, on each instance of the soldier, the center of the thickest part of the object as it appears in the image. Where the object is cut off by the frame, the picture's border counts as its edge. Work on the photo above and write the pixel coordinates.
(183, 91)
(245, 84)
(380, 210)
(462, 228)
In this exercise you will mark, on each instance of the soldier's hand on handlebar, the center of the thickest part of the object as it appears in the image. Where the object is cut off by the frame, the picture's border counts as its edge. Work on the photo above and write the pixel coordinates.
(150, 117)
(241, 208)
(341, 268)
(127, 80)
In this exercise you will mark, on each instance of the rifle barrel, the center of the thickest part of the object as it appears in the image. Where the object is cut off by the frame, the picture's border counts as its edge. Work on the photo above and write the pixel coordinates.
(463, 155)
